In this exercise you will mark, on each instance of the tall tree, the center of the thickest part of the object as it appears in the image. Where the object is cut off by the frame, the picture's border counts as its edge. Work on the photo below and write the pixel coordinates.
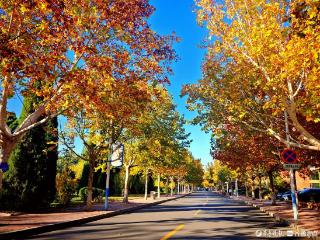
(75, 50)
(262, 60)
(32, 174)
(97, 136)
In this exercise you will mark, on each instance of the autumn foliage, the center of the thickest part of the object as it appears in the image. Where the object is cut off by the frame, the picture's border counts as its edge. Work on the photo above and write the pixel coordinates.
(262, 60)
(78, 56)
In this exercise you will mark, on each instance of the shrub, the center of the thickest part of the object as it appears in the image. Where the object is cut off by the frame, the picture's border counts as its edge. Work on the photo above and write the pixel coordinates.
(66, 186)
(97, 194)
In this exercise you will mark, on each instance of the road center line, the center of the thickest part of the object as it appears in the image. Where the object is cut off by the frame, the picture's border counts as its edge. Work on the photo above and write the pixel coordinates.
(174, 231)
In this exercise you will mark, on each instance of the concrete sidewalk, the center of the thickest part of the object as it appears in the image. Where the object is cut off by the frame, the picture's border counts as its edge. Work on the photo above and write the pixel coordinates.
(309, 219)
(25, 224)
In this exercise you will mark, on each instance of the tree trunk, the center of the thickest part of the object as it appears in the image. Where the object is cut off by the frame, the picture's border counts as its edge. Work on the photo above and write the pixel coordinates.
(246, 186)
(146, 186)
(6, 148)
(167, 186)
(236, 188)
(252, 189)
(90, 183)
(171, 186)
(159, 185)
(126, 182)
(252, 193)
(273, 196)
(295, 179)
(260, 193)
(178, 186)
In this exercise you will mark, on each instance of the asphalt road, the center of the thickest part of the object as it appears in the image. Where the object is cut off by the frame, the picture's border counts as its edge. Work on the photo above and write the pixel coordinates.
(201, 215)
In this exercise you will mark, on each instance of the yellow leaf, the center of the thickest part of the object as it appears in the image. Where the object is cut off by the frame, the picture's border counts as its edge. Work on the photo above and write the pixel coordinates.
(23, 9)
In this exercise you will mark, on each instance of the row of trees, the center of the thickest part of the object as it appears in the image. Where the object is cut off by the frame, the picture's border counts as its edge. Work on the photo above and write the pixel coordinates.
(259, 88)
(263, 61)
(93, 58)
(245, 181)
(259, 91)
(156, 144)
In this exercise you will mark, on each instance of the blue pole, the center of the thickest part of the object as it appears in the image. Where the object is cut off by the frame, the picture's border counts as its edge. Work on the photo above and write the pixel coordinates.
(106, 202)
(106, 199)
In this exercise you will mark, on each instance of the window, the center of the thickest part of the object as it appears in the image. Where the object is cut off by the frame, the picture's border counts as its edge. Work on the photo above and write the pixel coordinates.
(315, 176)
(315, 185)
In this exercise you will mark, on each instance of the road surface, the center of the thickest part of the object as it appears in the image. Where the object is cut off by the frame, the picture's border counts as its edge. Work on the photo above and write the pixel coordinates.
(201, 215)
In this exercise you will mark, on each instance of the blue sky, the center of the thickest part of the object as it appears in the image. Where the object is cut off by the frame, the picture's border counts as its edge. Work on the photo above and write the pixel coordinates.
(178, 16)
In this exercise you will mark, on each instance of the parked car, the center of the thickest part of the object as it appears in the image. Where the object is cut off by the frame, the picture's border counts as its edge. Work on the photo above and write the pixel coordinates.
(284, 196)
(309, 195)
(242, 191)
(279, 195)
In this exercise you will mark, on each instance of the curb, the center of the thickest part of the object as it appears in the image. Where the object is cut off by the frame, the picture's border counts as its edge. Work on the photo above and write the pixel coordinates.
(279, 219)
(62, 225)
(262, 209)
(271, 214)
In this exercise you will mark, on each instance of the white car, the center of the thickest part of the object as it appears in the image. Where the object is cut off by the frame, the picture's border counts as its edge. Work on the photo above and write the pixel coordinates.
(286, 196)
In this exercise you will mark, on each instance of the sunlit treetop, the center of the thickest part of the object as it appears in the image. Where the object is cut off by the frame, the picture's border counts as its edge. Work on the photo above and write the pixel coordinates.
(262, 60)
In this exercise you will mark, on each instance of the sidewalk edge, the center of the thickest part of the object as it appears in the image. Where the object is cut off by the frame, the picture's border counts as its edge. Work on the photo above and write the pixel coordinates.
(274, 215)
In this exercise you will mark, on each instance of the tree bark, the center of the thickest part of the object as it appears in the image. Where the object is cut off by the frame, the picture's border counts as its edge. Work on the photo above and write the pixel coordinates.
(167, 186)
(273, 195)
(246, 186)
(126, 182)
(252, 189)
(178, 186)
(171, 186)
(90, 182)
(159, 185)
(291, 110)
(146, 186)
(260, 193)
